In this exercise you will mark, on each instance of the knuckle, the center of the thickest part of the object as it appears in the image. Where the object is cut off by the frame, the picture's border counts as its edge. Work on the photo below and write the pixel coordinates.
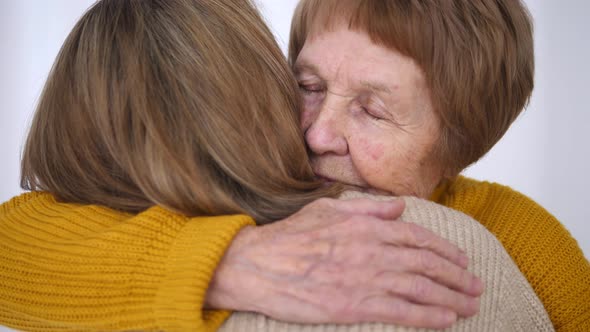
(419, 235)
(358, 224)
(395, 284)
(429, 261)
(398, 310)
(421, 288)
(365, 254)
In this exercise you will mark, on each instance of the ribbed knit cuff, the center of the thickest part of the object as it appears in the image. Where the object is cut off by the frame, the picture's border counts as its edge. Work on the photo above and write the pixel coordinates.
(191, 264)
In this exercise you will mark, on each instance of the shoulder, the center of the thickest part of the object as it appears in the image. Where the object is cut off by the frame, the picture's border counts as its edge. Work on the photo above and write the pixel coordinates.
(203, 228)
(531, 234)
(483, 199)
(507, 213)
(543, 249)
(24, 199)
(42, 201)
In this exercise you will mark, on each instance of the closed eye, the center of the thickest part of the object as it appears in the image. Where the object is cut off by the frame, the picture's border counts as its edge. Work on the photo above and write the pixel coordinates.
(372, 114)
(311, 89)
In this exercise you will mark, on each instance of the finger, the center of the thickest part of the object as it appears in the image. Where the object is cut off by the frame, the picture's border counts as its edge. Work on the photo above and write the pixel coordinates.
(387, 210)
(394, 310)
(419, 289)
(412, 235)
(435, 267)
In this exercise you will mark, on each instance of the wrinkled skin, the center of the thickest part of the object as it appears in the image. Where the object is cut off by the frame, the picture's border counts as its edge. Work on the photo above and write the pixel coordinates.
(346, 262)
(368, 116)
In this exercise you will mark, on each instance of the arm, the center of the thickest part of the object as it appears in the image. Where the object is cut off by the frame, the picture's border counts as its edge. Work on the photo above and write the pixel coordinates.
(324, 264)
(68, 267)
(550, 258)
(542, 248)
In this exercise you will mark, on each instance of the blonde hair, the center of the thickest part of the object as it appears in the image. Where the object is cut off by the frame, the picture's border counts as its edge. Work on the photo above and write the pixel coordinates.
(187, 104)
(477, 57)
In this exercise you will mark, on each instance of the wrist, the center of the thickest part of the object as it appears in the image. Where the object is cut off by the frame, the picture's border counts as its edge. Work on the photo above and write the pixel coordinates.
(227, 289)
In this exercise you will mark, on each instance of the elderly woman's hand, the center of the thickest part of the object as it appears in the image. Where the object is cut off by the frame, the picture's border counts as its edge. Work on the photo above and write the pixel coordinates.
(345, 262)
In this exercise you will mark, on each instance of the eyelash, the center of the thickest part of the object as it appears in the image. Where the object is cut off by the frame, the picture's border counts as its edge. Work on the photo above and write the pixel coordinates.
(306, 90)
(310, 91)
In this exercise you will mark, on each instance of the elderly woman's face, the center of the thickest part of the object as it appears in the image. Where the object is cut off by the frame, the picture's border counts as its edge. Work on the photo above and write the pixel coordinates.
(368, 116)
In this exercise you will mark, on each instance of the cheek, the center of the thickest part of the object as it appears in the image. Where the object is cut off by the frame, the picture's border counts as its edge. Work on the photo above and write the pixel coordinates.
(383, 162)
(374, 150)
(370, 154)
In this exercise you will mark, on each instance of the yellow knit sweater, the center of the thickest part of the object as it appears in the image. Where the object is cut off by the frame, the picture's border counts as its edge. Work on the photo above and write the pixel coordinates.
(541, 247)
(66, 267)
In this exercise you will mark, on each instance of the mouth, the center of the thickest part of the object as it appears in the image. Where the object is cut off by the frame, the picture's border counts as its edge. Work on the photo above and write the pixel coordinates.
(354, 186)
(325, 178)
(326, 181)
(351, 186)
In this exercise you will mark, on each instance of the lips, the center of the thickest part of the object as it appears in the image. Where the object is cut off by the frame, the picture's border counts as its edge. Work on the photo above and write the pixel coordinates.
(353, 186)
(350, 186)
(325, 178)
(329, 179)
(338, 175)
(332, 168)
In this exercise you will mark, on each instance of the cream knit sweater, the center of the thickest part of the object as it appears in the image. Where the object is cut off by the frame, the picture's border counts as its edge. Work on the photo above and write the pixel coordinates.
(508, 303)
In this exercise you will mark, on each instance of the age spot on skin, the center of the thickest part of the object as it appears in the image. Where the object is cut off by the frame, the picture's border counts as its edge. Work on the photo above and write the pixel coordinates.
(374, 149)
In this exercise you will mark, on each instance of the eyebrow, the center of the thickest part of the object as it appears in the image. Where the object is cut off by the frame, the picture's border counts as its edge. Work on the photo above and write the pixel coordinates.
(306, 66)
(372, 86)
(376, 87)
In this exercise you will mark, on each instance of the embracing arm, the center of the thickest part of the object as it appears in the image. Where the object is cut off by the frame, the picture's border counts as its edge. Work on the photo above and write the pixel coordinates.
(66, 267)
(75, 267)
(553, 263)
(541, 246)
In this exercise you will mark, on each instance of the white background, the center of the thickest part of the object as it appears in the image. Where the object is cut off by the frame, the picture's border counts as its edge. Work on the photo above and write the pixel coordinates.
(545, 154)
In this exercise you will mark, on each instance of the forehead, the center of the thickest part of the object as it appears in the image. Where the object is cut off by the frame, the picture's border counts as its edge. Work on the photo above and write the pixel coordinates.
(343, 54)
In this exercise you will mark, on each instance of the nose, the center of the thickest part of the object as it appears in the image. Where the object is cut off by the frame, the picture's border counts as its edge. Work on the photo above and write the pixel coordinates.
(326, 134)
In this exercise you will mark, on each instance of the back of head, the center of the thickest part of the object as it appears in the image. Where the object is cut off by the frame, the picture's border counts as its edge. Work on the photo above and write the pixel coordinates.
(188, 104)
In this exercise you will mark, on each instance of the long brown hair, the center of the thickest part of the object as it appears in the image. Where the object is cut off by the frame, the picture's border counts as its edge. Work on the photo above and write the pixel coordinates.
(188, 104)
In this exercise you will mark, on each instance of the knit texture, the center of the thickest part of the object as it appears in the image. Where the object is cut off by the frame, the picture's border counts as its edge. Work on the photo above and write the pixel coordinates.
(67, 267)
(542, 248)
(508, 303)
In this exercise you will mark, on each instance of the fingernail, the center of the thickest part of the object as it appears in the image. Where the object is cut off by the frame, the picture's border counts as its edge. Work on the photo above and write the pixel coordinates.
(450, 317)
(471, 307)
(464, 260)
(477, 285)
(475, 305)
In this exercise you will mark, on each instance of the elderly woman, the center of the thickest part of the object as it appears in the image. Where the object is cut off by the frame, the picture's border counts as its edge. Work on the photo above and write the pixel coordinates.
(400, 96)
